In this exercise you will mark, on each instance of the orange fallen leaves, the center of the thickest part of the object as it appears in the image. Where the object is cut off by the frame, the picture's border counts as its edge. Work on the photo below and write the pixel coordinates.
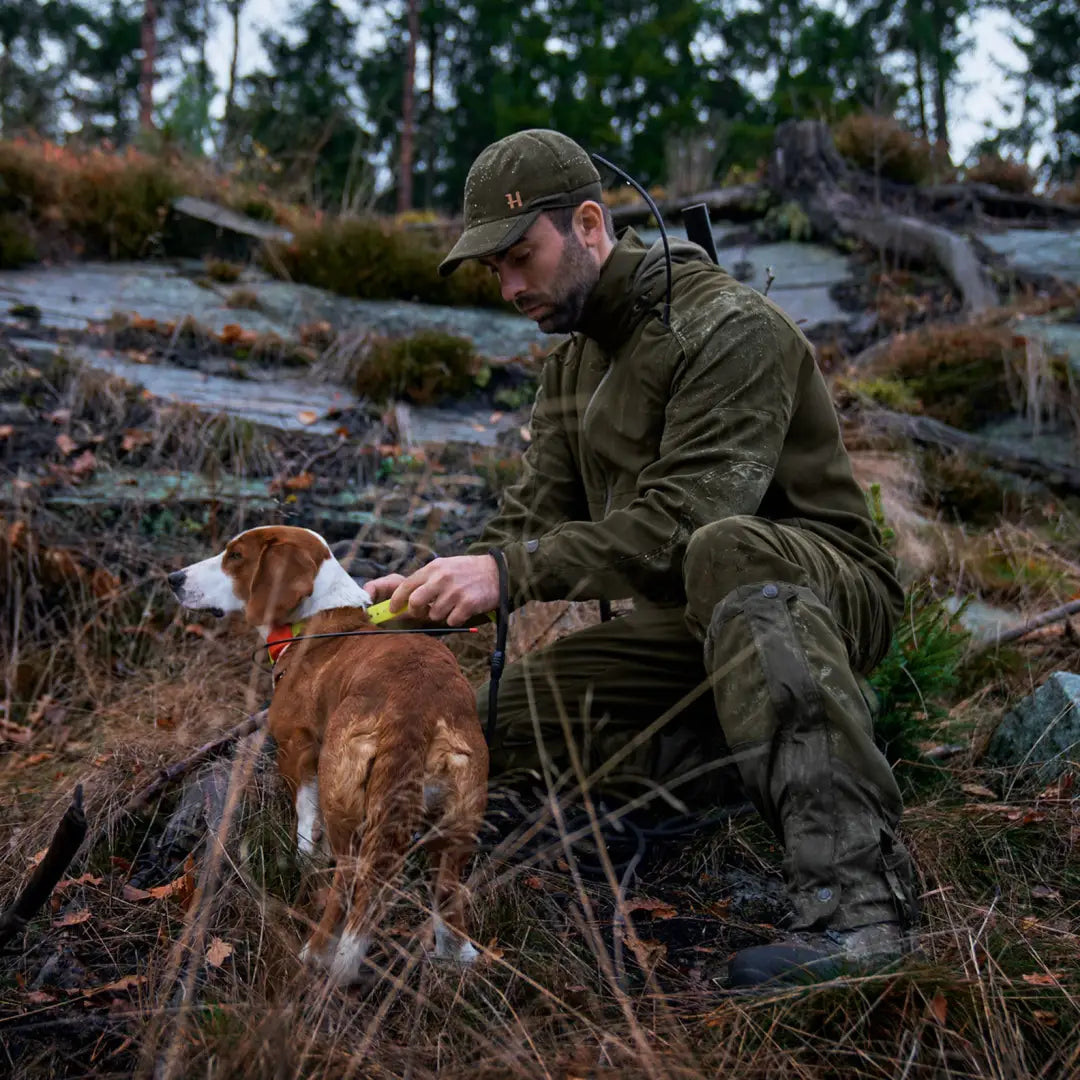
(657, 909)
(73, 918)
(939, 1007)
(218, 952)
(1043, 978)
(66, 444)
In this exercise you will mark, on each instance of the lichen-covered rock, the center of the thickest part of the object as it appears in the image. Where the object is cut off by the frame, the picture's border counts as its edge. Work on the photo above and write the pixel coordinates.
(1042, 733)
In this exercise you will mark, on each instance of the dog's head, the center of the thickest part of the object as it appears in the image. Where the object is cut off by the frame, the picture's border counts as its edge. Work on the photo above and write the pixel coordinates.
(267, 573)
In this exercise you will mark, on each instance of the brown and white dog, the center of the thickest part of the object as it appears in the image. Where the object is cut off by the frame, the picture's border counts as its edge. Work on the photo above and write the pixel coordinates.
(377, 735)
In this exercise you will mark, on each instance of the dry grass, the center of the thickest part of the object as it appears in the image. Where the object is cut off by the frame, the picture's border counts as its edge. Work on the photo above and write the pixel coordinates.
(105, 681)
(204, 981)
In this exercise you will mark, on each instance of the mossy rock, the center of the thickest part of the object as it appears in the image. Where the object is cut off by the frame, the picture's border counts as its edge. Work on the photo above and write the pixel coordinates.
(966, 376)
(375, 260)
(423, 368)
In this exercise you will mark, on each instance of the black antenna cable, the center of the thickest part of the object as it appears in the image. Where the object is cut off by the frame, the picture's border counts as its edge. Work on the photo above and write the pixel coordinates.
(659, 221)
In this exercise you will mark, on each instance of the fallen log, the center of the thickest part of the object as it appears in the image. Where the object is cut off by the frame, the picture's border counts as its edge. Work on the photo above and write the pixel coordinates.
(66, 841)
(1056, 475)
(743, 202)
(1033, 210)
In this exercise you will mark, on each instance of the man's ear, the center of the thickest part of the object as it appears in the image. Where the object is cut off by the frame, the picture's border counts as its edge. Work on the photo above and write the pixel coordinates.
(284, 575)
(589, 220)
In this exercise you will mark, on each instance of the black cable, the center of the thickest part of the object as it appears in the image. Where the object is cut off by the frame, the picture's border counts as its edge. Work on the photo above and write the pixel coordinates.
(498, 656)
(360, 633)
(659, 221)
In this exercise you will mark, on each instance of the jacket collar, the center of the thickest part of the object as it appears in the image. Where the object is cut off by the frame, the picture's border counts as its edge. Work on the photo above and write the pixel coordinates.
(616, 303)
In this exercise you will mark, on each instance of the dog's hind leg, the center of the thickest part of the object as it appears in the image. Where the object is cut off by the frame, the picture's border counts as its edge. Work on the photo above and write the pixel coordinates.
(449, 847)
(379, 816)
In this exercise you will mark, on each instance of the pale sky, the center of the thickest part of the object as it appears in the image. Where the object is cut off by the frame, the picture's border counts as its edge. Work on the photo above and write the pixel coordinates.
(981, 98)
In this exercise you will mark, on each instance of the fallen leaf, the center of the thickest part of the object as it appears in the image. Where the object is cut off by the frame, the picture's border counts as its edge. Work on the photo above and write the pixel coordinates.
(36, 858)
(134, 438)
(21, 485)
(1047, 1019)
(66, 444)
(84, 464)
(307, 416)
(33, 759)
(121, 985)
(1044, 892)
(180, 888)
(720, 909)
(133, 894)
(119, 861)
(657, 909)
(39, 997)
(938, 1007)
(495, 417)
(533, 882)
(83, 879)
(979, 791)
(1042, 978)
(301, 482)
(60, 416)
(6, 431)
(73, 918)
(218, 952)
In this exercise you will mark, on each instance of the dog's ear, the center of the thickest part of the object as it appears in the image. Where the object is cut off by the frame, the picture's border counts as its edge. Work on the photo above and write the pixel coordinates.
(285, 574)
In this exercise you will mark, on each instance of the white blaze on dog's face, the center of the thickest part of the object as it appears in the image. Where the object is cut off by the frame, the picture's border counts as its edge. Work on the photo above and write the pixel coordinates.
(274, 574)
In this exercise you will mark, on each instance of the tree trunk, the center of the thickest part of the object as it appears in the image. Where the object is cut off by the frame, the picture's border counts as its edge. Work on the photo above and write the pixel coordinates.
(920, 89)
(235, 7)
(430, 124)
(146, 77)
(941, 80)
(408, 101)
(806, 167)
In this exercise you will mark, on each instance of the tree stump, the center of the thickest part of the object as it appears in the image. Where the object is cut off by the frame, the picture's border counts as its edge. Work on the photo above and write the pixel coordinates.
(805, 167)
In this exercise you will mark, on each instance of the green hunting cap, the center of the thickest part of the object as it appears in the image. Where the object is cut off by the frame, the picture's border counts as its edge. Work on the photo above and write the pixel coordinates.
(512, 183)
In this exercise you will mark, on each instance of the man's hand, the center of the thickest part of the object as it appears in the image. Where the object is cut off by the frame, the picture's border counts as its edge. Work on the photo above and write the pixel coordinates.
(451, 590)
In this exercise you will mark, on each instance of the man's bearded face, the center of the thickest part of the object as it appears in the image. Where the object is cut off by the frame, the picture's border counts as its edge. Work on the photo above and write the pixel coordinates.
(565, 296)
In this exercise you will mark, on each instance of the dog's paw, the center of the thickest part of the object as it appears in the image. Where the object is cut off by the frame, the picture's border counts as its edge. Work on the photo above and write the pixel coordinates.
(450, 948)
(347, 964)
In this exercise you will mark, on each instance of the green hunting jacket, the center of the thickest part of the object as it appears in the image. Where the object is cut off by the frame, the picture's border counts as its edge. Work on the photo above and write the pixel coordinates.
(642, 433)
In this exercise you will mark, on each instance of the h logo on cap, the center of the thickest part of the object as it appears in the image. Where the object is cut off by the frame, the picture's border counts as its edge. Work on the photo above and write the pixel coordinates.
(513, 200)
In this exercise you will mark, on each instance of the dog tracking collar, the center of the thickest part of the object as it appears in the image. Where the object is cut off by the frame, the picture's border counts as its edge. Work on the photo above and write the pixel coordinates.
(380, 613)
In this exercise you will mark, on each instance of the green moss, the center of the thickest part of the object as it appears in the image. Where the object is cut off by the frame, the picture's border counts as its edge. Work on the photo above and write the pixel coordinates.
(423, 368)
(788, 221)
(373, 260)
(890, 392)
(17, 245)
(222, 270)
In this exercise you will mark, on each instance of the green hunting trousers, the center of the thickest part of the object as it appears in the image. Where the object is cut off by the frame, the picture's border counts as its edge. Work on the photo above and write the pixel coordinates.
(777, 623)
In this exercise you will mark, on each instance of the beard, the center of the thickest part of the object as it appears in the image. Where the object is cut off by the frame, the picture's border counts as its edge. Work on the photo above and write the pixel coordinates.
(575, 276)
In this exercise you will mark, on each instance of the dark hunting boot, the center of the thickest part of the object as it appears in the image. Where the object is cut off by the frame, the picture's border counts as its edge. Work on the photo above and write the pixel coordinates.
(814, 957)
(782, 663)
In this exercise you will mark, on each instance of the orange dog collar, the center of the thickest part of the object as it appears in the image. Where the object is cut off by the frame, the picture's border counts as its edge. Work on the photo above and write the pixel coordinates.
(280, 638)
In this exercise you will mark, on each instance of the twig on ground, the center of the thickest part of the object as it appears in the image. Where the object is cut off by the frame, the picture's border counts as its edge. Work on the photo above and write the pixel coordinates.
(1037, 622)
(66, 841)
(181, 768)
